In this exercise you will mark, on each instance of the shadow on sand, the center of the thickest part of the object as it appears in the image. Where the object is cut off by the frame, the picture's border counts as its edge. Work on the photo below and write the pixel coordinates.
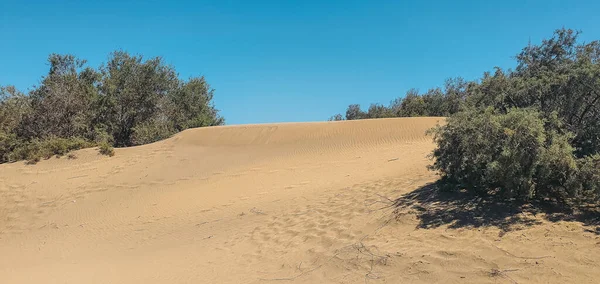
(436, 208)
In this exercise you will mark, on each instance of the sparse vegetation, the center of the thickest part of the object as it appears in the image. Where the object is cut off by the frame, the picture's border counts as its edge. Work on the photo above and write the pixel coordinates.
(127, 101)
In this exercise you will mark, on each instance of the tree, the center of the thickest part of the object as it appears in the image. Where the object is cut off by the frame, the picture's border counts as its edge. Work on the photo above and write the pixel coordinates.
(131, 93)
(456, 91)
(61, 105)
(337, 117)
(128, 101)
(354, 112)
(192, 105)
(413, 104)
(561, 76)
(434, 103)
(378, 111)
(14, 106)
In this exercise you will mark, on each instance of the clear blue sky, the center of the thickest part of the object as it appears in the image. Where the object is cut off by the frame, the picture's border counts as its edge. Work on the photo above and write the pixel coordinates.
(301, 60)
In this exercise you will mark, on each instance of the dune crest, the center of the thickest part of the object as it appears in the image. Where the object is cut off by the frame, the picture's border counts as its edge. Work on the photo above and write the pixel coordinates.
(301, 202)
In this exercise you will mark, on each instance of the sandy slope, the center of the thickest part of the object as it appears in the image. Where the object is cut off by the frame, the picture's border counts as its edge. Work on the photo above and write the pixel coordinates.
(305, 203)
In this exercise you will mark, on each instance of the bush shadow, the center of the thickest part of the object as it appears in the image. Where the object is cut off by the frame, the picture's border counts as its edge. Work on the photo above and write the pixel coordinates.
(457, 209)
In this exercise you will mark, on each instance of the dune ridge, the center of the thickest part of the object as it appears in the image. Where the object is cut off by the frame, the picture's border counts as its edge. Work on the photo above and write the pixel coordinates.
(293, 202)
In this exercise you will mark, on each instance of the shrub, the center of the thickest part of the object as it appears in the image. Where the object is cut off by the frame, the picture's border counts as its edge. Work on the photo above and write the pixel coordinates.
(106, 149)
(33, 151)
(127, 101)
(61, 146)
(8, 143)
(515, 155)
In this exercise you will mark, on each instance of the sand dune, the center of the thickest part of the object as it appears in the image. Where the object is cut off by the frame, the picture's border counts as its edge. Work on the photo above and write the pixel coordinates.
(292, 202)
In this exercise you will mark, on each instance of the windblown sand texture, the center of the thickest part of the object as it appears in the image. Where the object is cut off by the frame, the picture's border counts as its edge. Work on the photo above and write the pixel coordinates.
(273, 203)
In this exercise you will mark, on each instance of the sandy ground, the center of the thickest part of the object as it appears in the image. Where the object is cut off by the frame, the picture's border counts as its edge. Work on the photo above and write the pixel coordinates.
(333, 202)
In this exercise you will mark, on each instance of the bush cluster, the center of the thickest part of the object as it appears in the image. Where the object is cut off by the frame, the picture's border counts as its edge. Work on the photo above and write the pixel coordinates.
(526, 134)
(517, 155)
(125, 102)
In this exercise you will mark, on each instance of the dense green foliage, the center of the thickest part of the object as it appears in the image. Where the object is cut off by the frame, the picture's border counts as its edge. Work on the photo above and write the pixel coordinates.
(531, 133)
(517, 154)
(127, 101)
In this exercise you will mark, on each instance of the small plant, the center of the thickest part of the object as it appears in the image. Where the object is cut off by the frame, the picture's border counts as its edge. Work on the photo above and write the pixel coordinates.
(71, 156)
(33, 160)
(106, 149)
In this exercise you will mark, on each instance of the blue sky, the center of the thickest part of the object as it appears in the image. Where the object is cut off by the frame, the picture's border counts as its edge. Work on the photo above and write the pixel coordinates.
(284, 61)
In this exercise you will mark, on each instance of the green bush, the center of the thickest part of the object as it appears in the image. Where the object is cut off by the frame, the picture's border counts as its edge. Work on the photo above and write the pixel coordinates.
(515, 155)
(34, 151)
(61, 146)
(106, 149)
(522, 134)
(587, 180)
(8, 143)
(127, 101)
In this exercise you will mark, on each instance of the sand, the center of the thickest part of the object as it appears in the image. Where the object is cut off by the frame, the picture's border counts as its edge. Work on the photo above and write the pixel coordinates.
(272, 203)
